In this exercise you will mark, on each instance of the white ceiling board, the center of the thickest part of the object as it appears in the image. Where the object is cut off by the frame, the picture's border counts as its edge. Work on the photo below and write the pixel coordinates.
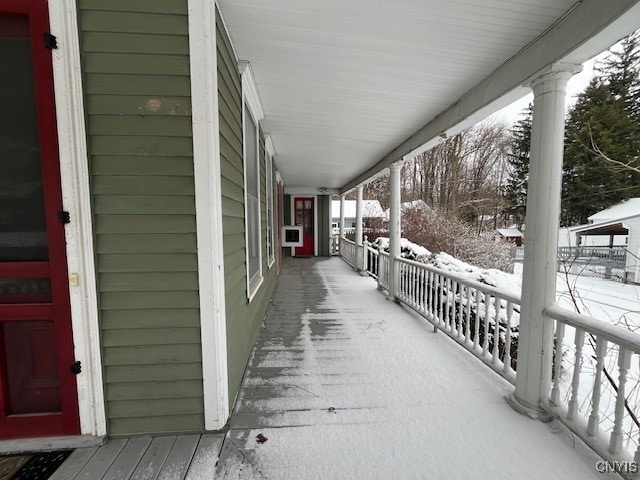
(344, 82)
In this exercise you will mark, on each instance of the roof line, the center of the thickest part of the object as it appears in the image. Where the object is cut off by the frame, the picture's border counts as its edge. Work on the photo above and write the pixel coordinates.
(589, 28)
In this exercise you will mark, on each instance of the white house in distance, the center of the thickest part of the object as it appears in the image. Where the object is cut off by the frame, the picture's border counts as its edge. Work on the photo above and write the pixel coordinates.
(512, 235)
(618, 225)
(371, 210)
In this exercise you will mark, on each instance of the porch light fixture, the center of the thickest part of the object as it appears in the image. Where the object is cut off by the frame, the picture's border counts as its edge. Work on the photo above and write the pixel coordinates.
(323, 190)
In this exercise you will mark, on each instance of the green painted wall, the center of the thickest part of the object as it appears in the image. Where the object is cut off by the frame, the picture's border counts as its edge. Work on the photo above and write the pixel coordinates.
(243, 318)
(135, 62)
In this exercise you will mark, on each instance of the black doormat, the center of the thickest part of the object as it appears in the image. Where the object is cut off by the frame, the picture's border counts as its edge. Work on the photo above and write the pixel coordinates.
(35, 466)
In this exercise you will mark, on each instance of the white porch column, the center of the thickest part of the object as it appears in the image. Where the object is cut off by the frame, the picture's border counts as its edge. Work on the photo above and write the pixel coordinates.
(535, 342)
(341, 226)
(359, 215)
(394, 229)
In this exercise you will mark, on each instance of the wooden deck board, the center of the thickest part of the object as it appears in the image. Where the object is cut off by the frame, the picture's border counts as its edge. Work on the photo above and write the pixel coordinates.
(177, 463)
(203, 465)
(125, 464)
(102, 460)
(154, 458)
(74, 463)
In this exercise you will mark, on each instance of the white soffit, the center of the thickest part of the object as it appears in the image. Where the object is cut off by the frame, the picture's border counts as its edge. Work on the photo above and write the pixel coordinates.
(344, 82)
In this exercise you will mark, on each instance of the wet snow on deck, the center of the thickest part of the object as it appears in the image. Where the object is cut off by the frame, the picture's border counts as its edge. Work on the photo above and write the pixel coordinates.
(343, 384)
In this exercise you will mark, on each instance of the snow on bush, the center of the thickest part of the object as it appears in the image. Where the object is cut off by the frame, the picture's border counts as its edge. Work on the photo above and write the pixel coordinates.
(497, 308)
(489, 276)
(442, 233)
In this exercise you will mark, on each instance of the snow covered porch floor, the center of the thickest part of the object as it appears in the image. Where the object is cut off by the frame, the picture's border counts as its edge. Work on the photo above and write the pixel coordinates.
(343, 384)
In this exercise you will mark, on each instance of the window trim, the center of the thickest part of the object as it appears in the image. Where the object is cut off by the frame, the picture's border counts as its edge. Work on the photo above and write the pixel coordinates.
(270, 193)
(251, 101)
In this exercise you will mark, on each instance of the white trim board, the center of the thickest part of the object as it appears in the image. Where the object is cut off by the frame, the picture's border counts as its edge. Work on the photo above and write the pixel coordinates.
(206, 169)
(74, 173)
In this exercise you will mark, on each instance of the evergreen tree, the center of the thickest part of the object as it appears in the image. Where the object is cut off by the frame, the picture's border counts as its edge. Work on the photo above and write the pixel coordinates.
(589, 183)
(605, 117)
(516, 187)
(619, 71)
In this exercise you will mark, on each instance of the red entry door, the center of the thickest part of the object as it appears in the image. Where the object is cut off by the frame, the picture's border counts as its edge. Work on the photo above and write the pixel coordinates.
(38, 394)
(304, 217)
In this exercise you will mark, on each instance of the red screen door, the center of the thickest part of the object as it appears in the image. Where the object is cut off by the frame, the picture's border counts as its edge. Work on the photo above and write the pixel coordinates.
(304, 217)
(37, 387)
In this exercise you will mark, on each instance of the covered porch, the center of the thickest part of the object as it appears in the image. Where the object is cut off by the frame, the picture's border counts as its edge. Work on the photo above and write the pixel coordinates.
(344, 384)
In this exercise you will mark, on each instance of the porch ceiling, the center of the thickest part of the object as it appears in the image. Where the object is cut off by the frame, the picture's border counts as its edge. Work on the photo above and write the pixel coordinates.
(345, 82)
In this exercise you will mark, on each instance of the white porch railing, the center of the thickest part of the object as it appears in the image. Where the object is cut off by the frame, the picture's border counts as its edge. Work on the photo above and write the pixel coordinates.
(589, 383)
(594, 404)
(481, 318)
(348, 251)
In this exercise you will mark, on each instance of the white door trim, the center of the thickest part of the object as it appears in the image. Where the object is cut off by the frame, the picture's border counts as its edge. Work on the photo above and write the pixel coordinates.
(206, 170)
(76, 198)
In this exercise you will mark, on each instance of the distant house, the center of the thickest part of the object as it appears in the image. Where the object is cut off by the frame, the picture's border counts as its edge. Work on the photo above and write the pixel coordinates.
(618, 225)
(512, 235)
(371, 212)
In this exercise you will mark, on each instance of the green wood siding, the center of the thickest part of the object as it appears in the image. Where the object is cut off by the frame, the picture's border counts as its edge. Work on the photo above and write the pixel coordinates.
(243, 318)
(135, 61)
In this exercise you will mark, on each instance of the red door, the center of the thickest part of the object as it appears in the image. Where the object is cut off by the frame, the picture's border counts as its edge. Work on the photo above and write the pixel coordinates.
(304, 217)
(37, 387)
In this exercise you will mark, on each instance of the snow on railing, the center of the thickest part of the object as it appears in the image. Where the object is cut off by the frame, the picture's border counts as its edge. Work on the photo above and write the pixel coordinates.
(482, 318)
(596, 400)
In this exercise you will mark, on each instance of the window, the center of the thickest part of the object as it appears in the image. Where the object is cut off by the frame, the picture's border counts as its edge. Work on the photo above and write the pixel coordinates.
(252, 201)
(270, 220)
(252, 113)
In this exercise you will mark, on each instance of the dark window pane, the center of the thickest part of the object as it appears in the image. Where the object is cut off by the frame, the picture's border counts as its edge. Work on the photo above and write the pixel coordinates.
(25, 290)
(22, 223)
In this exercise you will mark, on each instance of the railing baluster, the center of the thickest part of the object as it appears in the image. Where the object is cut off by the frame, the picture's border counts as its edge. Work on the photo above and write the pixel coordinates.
(497, 303)
(445, 299)
(468, 316)
(420, 288)
(430, 292)
(506, 359)
(557, 365)
(440, 305)
(624, 360)
(476, 327)
(594, 418)
(487, 305)
(412, 287)
(461, 289)
(577, 368)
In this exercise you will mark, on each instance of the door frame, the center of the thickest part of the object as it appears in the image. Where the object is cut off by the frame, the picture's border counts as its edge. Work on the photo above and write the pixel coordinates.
(76, 199)
(315, 219)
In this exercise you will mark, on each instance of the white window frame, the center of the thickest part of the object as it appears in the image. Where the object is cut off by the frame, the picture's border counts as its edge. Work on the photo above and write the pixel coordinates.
(251, 100)
(271, 226)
